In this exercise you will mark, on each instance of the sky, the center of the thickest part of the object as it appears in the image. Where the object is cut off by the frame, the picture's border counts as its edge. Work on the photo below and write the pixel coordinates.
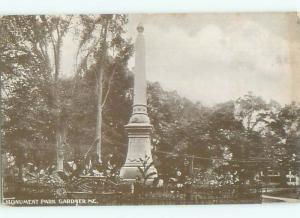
(213, 58)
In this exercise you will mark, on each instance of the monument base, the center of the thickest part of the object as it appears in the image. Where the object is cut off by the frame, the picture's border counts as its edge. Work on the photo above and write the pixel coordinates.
(131, 173)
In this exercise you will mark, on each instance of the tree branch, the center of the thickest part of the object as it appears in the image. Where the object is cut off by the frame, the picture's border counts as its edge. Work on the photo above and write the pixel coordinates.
(108, 88)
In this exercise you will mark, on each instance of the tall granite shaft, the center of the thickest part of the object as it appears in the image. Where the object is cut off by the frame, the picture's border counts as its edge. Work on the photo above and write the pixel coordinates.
(139, 128)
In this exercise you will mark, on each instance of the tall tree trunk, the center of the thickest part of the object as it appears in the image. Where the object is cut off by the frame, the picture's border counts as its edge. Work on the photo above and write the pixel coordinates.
(100, 92)
(60, 141)
(59, 125)
(59, 128)
(99, 114)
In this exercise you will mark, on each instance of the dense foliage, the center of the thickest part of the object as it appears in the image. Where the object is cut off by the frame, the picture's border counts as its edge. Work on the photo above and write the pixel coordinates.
(231, 141)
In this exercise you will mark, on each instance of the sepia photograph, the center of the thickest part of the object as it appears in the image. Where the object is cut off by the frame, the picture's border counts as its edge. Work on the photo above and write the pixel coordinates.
(150, 109)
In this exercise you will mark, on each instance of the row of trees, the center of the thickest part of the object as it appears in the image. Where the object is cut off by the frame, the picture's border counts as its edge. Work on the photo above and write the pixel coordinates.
(242, 137)
(42, 111)
(46, 114)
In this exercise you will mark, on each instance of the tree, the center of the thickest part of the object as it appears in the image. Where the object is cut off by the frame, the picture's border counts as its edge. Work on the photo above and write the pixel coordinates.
(31, 57)
(26, 73)
(57, 28)
(105, 55)
(283, 132)
(253, 112)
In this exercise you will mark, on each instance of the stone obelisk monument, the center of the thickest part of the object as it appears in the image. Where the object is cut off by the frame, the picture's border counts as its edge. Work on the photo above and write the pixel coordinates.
(139, 127)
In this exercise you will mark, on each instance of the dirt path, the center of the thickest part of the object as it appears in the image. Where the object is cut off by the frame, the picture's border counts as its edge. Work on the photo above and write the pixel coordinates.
(288, 200)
